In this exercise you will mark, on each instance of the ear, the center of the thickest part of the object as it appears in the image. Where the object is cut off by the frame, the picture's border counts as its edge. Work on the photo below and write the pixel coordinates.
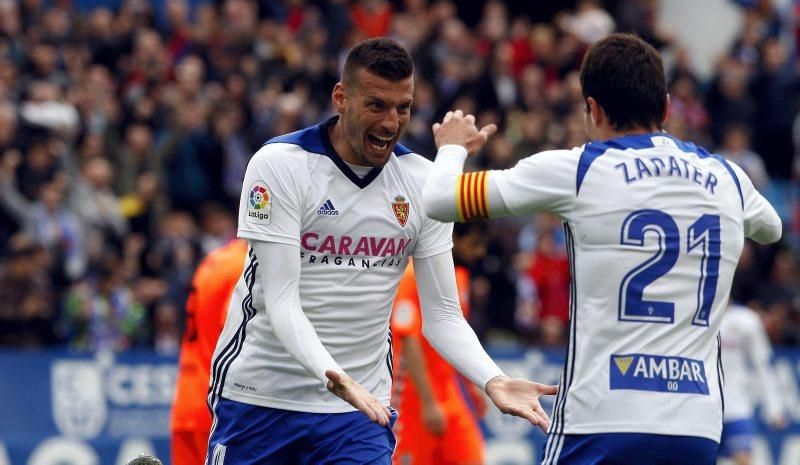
(595, 111)
(338, 97)
(666, 112)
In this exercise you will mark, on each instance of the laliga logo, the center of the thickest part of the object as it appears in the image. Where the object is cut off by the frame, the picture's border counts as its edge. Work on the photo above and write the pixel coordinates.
(79, 404)
(259, 197)
(259, 204)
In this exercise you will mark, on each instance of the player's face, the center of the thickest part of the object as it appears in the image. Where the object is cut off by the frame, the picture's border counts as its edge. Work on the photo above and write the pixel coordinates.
(374, 115)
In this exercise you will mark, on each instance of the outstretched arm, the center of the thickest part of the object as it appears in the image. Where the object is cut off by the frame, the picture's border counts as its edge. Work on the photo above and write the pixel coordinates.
(279, 266)
(444, 326)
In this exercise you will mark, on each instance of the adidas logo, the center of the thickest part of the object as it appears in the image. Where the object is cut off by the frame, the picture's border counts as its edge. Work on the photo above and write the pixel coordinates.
(327, 208)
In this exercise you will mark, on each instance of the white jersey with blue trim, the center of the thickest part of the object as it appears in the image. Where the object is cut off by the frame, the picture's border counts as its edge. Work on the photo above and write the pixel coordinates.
(746, 359)
(654, 228)
(354, 235)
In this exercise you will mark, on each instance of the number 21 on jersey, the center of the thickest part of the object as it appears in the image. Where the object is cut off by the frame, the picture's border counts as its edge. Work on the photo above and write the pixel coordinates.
(702, 239)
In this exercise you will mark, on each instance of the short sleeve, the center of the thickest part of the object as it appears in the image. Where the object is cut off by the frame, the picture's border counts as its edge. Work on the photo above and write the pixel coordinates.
(435, 237)
(272, 196)
(542, 182)
(406, 320)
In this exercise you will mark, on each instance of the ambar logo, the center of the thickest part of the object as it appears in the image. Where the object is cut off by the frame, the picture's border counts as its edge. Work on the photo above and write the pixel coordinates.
(659, 373)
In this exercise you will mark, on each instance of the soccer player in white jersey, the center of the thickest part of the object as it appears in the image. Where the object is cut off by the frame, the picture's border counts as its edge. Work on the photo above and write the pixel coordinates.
(746, 360)
(654, 228)
(302, 370)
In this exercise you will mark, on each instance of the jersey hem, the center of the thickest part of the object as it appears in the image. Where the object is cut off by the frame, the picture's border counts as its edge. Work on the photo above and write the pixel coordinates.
(672, 430)
(256, 236)
(284, 404)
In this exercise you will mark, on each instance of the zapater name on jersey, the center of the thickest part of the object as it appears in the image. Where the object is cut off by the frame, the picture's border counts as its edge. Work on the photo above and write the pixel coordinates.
(654, 227)
(354, 234)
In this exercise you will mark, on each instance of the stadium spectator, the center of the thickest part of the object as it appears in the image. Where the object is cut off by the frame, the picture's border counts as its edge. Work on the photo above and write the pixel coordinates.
(27, 305)
(176, 95)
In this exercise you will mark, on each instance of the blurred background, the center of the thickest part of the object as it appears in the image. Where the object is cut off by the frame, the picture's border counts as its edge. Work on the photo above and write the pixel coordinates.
(126, 127)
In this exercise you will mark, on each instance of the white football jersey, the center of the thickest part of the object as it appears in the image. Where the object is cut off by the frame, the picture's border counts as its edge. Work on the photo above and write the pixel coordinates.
(746, 355)
(654, 228)
(354, 236)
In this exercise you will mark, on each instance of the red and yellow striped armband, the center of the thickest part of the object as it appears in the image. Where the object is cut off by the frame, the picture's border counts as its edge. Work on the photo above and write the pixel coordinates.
(471, 196)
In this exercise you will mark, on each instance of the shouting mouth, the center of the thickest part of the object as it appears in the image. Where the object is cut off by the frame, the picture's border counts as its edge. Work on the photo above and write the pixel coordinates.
(379, 143)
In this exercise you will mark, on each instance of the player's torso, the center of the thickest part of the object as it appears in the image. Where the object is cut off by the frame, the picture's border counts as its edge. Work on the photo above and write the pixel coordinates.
(355, 241)
(653, 237)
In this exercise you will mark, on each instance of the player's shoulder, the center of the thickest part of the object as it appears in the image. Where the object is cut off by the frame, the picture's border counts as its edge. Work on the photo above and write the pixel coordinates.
(411, 160)
(412, 164)
(558, 155)
(293, 148)
(556, 162)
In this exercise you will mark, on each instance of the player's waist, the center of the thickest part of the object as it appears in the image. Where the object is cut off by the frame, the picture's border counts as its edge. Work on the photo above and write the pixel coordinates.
(702, 429)
(310, 402)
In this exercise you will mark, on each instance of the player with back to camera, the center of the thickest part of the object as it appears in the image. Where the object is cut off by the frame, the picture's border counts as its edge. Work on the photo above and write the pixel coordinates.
(302, 371)
(654, 228)
(747, 364)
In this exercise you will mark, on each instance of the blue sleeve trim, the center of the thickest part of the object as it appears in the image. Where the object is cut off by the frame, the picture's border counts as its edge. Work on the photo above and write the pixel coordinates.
(400, 150)
(308, 139)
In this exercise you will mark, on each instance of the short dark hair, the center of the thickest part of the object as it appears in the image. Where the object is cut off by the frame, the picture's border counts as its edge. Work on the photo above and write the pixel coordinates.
(625, 75)
(380, 56)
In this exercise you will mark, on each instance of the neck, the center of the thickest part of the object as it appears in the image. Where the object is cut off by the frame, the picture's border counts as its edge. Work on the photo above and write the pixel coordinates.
(340, 144)
(608, 132)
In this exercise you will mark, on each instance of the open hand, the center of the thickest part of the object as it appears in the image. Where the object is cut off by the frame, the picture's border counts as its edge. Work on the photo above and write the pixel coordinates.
(520, 397)
(354, 394)
(461, 130)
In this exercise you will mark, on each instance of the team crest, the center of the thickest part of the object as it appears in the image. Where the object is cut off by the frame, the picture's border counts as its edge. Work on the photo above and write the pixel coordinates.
(400, 208)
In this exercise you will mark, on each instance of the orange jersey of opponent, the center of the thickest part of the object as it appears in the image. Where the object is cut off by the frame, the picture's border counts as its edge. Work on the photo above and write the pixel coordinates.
(461, 442)
(407, 322)
(206, 309)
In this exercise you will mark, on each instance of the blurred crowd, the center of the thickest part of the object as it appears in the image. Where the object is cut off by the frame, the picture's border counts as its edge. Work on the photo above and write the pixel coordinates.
(125, 132)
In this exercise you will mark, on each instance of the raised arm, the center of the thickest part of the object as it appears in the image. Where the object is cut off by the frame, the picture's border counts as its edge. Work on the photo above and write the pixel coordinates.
(452, 195)
(541, 182)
